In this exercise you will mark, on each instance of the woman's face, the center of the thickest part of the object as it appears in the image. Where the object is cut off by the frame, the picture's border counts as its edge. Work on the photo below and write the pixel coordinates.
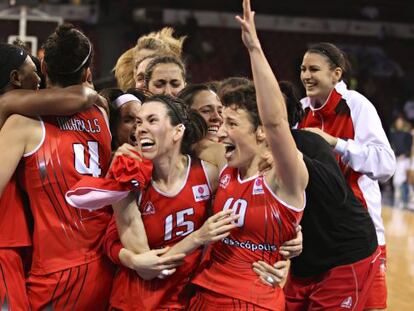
(317, 76)
(140, 73)
(29, 79)
(127, 121)
(238, 136)
(209, 106)
(155, 134)
(166, 79)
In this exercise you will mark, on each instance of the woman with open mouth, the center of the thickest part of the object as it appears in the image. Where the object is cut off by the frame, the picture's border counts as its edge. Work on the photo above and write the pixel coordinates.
(173, 211)
(350, 124)
(203, 99)
(123, 111)
(269, 204)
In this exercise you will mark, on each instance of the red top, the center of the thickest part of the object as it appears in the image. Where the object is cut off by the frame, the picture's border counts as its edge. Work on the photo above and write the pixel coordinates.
(14, 230)
(264, 224)
(338, 124)
(72, 146)
(168, 218)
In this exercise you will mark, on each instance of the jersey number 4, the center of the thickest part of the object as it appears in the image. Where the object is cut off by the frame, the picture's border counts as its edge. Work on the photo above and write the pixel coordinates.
(93, 167)
(179, 220)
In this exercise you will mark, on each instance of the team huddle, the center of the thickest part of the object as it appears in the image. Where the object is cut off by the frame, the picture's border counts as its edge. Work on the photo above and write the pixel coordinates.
(165, 195)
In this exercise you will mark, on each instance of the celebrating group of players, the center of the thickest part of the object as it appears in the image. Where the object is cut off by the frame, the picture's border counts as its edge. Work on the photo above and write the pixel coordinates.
(188, 197)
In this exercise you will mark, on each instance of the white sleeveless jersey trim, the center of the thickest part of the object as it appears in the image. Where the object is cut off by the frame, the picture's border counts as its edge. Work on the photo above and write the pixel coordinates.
(242, 181)
(171, 195)
(282, 201)
(203, 165)
(41, 141)
(222, 170)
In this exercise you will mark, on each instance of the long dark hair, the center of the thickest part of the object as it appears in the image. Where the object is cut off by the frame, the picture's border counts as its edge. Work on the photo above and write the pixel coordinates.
(335, 56)
(190, 92)
(179, 113)
(67, 52)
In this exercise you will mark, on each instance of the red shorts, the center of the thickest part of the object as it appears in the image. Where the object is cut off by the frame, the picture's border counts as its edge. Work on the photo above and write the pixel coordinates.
(343, 287)
(377, 295)
(12, 281)
(85, 287)
(205, 300)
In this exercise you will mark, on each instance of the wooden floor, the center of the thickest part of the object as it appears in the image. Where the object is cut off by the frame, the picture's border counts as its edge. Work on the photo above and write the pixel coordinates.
(399, 229)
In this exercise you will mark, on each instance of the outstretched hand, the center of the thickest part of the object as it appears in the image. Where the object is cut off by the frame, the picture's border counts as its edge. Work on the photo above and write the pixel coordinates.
(249, 34)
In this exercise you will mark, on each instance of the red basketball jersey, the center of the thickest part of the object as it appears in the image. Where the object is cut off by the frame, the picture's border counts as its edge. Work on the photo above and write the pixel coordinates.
(71, 147)
(265, 223)
(14, 231)
(168, 218)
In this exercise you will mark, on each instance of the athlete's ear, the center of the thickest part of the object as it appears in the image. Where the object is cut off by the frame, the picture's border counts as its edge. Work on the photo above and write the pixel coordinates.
(14, 78)
(86, 74)
(179, 131)
(260, 134)
(337, 74)
(43, 67)
(88, 82)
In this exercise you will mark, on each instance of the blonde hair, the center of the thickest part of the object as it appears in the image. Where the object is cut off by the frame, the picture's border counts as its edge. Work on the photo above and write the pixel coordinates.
(161, 42)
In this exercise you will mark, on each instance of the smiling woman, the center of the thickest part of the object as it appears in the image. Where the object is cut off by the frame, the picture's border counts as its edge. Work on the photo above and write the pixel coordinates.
(123, 111)
(350, 124)
(203, 99)
(173, 208)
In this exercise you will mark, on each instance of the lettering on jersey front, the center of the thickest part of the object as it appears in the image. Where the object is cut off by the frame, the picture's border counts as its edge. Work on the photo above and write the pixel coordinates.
(79, 125)
(250, 245)
(201, 193)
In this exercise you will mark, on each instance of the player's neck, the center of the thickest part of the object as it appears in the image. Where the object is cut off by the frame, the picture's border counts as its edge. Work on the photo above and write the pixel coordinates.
(169, 171)
(251, 168)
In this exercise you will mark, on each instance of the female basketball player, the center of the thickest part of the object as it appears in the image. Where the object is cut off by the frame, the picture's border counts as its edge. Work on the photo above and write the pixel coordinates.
(165, 75)
(350, 124)
(123, 111)
(161, 42)
(269, 205)
(173, 207)
(340, 253)
(203, 99)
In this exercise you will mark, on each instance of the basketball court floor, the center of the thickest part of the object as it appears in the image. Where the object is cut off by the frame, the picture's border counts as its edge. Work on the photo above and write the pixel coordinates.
(399, 229)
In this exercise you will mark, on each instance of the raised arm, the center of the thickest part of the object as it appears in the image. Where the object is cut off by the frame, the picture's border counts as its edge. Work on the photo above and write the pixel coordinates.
(64, 101)
(290, 168)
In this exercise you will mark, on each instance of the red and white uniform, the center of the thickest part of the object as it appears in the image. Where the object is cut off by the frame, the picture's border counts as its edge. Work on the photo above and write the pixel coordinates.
(168, 218)
(265, 223)
(363, 151)
(14, 235)
(65, 238)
